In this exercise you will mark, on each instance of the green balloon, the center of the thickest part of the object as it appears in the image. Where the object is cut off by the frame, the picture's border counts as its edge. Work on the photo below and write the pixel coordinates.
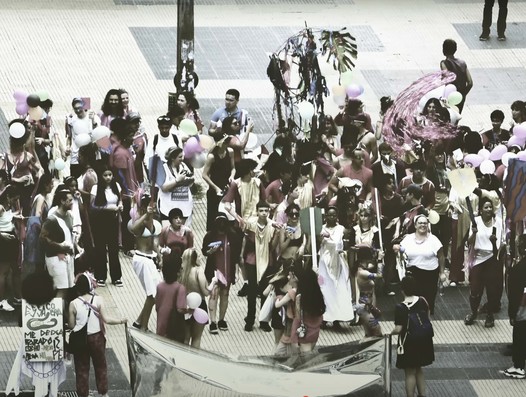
(43, 95)
(346, 78)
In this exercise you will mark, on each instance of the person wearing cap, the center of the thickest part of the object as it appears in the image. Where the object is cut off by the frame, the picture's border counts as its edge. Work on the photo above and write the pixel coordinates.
(82, 121)
(425, 259)
(161, 142)
(221, 247)
(175, 191)
(419, 178)
(218, 172)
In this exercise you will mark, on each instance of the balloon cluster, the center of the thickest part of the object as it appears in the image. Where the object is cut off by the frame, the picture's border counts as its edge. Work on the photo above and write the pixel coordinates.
(29, 104)
(197, 145)
(485, 160)
(193, 300)
(447, 93)
(347, 89)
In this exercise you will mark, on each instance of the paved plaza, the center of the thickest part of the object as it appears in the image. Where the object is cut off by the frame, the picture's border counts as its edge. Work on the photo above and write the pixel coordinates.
(72, 48)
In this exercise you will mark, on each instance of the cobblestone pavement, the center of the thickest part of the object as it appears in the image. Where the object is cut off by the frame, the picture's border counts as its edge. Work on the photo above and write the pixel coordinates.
(72, 48)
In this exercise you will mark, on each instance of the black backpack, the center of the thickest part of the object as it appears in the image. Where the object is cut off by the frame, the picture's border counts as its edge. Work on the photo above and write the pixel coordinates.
(419, 326)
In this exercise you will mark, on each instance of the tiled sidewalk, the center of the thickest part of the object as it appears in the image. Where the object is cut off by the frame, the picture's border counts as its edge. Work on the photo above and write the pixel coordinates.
(73, 48)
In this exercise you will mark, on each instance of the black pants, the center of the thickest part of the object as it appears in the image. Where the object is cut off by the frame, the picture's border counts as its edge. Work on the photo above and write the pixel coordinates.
(253, 290)
(128, 240)
(501, 21)
(427, 284)
(519, 344)
(212, 204)
(105, 226)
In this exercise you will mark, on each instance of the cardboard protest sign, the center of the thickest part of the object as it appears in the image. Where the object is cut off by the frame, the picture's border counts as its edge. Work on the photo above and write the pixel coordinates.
(43, 331)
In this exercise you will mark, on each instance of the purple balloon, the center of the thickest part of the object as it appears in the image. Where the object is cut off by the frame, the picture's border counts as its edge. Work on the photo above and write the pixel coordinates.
(515, 140)
(20, 95)
(200, 316)
(192, 147)
(520, 131)
(497, 152)
(21, 108)
(473, 159)
(353, 91)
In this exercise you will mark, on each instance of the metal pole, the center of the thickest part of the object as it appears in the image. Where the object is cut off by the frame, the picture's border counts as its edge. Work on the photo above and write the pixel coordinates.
(184, 79)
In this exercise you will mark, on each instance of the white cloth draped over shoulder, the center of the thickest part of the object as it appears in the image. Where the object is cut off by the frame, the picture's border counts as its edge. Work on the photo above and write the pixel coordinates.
(334, 271)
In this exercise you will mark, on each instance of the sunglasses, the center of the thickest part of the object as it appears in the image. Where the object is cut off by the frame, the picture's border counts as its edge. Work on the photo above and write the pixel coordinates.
(294, 214)
(164, 118)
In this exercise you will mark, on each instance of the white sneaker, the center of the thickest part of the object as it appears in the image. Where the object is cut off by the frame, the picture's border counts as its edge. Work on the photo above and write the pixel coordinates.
(5, 306)
(517, 373)
(452, 284)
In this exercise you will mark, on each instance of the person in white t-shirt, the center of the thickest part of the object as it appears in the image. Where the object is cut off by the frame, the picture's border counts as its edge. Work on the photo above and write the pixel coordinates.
(425, 259)
(82, 122)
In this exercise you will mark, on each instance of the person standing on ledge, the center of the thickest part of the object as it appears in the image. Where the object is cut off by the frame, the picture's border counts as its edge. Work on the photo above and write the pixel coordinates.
(463, 82)
(501, 21)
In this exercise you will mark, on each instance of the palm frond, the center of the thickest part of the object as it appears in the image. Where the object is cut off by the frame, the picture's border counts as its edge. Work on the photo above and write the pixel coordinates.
(341, 46)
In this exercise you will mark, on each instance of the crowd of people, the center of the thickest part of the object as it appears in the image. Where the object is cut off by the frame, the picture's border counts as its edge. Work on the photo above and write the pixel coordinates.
(381, 208)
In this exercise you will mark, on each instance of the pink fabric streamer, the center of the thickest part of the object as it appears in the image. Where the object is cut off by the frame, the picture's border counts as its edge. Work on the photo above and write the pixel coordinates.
(400, 125)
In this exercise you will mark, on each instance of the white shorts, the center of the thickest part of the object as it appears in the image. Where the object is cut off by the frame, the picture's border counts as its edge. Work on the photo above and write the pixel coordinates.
(62, 271)
(147, 272)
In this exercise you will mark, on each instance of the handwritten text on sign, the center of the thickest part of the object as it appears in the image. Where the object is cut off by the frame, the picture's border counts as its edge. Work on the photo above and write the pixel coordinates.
(43, 329)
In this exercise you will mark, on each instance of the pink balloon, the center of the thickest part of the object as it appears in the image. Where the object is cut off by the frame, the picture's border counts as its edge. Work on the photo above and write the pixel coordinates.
(321, 280)
(200, 316)
(516, 141)
(497, 152)
(21, 108)
(473, 159)
(353, 91)
(520, 131)
(192, 147)
(449, 89)
(104, 142)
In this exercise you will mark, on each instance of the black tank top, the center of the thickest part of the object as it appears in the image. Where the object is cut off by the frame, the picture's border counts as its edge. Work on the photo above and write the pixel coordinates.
(221, 169)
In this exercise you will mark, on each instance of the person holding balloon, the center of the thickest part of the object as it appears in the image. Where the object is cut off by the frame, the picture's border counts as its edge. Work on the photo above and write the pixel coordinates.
(21, 165)
(463, 81)
(194, 280)
(175, 191)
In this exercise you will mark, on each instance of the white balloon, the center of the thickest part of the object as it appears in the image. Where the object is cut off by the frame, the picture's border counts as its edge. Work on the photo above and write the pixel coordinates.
(484, 153)
(60, 164)
(433, 217)
(306, 110)
(193, 300)
(82, 140)
(436, 93)
(17, 130)
(199, 160)
(100, 132)
(487, 167)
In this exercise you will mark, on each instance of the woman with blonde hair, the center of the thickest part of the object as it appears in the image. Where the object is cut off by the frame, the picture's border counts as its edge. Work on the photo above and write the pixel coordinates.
(194, 280)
